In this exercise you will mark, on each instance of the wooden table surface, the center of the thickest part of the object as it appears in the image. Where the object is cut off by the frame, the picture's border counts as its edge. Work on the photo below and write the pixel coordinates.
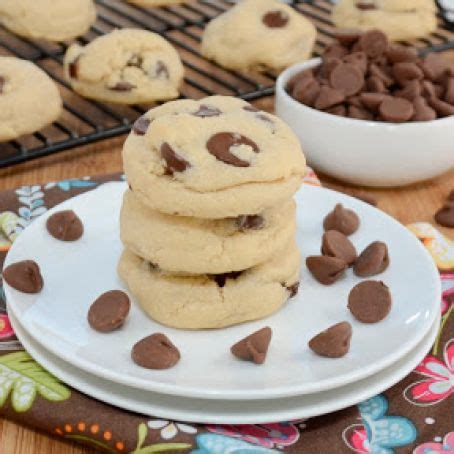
(409, 204)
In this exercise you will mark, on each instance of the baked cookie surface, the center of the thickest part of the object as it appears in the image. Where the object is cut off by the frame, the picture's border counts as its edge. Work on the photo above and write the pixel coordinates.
(212, 301)
(29, 99)
(127, 66)
(259, 34)
(213, 158)
(399, 19)
(52, 20)
(198, 246)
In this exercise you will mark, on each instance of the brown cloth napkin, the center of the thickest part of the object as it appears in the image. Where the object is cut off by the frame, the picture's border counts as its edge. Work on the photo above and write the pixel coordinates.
(416, 415)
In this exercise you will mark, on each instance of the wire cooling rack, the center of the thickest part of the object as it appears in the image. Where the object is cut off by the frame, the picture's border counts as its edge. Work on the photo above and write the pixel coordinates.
(84, 121)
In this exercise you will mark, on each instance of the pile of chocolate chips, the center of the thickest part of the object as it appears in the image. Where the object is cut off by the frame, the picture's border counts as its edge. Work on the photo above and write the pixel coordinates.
(364, 76)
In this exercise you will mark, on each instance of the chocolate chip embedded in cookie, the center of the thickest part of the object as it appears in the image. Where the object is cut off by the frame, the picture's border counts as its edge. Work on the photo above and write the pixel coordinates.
(254, 347)
(326, 269)
(155, 352)
(333, 342)
(24, 276)
(220, 145)
(65, 226)
(174, 162)
(341, 219)
(370, 301)
(275, 19)
(250, 222)
(336, 244)
(127, 66)
(373, 260)
(140, 126)
(109, 311)
(445, 215)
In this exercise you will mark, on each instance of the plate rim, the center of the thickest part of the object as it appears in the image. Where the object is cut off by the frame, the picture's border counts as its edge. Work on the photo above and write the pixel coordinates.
(410, 361)
(287, 391)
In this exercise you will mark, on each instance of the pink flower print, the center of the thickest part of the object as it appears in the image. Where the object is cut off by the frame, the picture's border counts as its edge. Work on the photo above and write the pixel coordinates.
(355, 437)
(266, 435)
(447, 447)
(6, 330)
(439, 382)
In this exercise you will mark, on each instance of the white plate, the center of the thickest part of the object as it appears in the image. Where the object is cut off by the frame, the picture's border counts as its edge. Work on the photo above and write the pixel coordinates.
(227, 411)
(76, 273)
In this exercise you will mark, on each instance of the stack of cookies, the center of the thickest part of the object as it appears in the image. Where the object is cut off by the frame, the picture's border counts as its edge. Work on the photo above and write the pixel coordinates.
(208, 223)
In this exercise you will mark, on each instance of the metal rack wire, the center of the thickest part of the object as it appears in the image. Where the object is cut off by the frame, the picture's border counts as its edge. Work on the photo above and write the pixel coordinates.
(84, 121)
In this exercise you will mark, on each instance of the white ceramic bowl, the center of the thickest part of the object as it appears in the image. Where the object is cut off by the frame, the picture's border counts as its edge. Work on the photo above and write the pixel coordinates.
(369, 153)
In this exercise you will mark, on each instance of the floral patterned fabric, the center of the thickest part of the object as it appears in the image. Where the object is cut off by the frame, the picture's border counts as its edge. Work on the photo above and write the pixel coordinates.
(415, 416)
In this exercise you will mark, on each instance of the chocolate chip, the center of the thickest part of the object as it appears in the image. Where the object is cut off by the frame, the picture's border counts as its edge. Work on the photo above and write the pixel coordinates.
(428, 89)
(335, 50)
(275, 19)
(333, 342)
(253, 347)
(328, 97)
(135, 60)
(359, 113)
(207, 111)
(293, 289)
(325, 269)
(445, 215)
(73, 68)
(442, 108)
(221, 279)
(380, 73)
(336, 244)
(2, 84)
(358, 59)
(449, 90)
(398, 53)
(372, 100)
(175, 163)
(24, 276)
(347, 37)
(254, 109)
(337, 110)
(374, 43)
(328, 64)
(122, 86)
(347, 78)
(155, 352)
(396, 110)
(354, 101)
(411, 90)
(370, 301)
(140, 126)
(434, 66)
(365, 5)
(161, 70)
(306, 91)
(109, 311)
(375, 84)
(405, 71)
(65, 226)
(423, 112)
(373, 260)
(250, 222)
(219, 146)
(341, 219)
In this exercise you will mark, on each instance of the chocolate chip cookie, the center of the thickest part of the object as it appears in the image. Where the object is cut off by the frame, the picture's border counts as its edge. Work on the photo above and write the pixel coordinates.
(127, 66)
(197, 246)
(52, 20)
(216, 300)
(29, 99)
(258, 35)
(399, 19)
(214, 158)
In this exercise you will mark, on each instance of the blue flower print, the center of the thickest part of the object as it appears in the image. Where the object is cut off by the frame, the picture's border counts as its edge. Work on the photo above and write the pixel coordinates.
(219, 444)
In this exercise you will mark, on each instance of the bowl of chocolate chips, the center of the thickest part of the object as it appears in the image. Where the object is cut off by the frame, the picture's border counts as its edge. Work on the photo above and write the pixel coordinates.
(371, 112)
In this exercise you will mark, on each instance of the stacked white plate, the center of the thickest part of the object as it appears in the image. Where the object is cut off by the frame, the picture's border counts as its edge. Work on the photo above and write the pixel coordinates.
(209, 384)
